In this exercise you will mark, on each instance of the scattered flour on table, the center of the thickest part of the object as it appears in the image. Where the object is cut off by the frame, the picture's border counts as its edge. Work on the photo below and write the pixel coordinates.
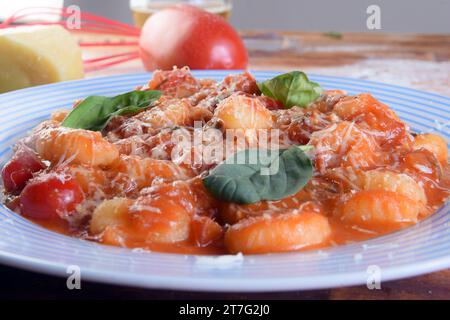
(428, 75)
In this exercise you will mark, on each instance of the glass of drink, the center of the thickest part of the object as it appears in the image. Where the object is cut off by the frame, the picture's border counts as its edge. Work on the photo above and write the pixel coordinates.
(142, 9)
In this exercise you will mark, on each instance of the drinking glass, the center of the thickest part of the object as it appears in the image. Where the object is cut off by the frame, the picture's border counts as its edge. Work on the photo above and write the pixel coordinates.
(142, 9)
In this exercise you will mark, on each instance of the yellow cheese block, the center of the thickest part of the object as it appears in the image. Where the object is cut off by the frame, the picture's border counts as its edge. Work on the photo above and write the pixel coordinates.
(34, 55)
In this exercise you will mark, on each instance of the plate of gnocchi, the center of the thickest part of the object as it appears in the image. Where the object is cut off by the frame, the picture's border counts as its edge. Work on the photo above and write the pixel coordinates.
(225, 181)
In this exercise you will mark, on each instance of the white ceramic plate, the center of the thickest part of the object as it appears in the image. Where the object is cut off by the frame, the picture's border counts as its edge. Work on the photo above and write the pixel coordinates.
(422, 248)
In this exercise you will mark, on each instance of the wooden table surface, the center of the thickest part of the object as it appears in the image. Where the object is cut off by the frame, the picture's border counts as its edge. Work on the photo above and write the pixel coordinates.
(417, 61)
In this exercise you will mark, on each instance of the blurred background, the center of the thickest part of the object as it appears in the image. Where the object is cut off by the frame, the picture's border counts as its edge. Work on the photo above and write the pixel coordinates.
(411, 47)
(412, 16)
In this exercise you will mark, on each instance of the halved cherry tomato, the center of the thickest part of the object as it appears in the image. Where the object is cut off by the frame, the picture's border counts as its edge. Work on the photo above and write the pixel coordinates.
(50, 196)
(184, 35)
(20, 169)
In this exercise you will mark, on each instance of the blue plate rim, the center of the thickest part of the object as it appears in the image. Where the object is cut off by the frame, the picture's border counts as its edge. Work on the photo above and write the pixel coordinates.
(196, 285)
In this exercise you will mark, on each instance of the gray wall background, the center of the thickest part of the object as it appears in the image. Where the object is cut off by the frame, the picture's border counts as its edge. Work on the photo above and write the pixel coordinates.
(420, 16)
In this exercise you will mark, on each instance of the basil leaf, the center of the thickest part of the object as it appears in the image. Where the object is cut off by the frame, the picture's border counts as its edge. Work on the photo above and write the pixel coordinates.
(94, 112)
(292, 89)
(249, 182)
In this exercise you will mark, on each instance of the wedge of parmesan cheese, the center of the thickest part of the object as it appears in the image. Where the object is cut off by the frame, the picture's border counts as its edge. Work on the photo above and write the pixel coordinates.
(34, 55)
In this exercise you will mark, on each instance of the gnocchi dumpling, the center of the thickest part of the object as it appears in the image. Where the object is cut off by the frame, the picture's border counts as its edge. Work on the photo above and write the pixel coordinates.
(75, 146)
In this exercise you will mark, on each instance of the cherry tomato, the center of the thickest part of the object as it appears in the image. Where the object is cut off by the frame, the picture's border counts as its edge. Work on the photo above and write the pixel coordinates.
(184, 35)
(20, 169)
(50, 196)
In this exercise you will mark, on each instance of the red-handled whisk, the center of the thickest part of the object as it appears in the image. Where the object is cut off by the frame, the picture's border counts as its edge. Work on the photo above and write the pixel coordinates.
(87, 23)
